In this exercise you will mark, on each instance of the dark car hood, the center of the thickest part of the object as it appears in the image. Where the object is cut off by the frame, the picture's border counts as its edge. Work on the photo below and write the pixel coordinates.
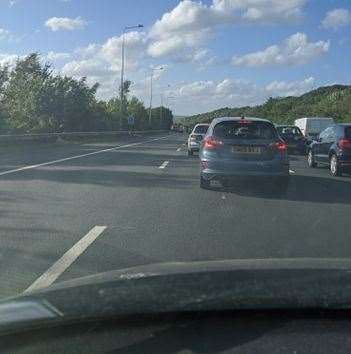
(184, 287)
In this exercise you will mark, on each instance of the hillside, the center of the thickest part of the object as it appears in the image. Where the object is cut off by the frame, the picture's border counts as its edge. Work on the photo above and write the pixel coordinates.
(329, 101)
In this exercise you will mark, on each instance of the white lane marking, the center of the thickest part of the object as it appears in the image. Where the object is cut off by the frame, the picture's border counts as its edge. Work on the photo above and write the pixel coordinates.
(292, 172)
(179, 149)
(164, 165)
(31, 167)
(67, 259)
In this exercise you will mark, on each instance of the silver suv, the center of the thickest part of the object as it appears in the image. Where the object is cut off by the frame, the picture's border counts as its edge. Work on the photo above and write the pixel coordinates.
(196, 137)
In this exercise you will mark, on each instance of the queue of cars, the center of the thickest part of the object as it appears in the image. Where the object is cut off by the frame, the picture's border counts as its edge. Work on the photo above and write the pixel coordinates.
(240, 146)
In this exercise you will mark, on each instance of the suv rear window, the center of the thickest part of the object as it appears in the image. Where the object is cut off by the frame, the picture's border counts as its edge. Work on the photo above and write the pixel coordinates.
(201, 129)
(253, 130)
(348, 132)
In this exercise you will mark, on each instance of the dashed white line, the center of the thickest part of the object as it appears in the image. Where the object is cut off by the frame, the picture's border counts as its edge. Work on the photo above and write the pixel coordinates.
(179, 149)
(67, 259)
(292, 172)
(31, 167)
(164, 165)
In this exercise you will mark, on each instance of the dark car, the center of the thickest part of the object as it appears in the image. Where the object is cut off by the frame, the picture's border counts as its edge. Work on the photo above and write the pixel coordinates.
(332, 148)
(293, 137)
(243, 147)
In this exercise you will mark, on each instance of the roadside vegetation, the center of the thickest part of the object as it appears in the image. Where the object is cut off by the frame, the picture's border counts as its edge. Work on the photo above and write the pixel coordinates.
(35, 99)
(330, 101)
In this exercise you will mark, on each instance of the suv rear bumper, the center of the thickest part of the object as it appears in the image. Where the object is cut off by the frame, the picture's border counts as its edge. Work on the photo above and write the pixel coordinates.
(209, 174)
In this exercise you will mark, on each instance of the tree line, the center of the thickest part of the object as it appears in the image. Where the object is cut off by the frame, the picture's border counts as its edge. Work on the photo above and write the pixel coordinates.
(33, 99)
(329, 101)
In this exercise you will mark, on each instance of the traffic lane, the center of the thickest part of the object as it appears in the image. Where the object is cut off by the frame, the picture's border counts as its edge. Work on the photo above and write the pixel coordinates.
(44, 211)
(24, 154)
(190, 224)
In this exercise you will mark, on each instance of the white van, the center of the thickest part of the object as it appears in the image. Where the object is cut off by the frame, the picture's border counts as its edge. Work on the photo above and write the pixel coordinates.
(312, 126)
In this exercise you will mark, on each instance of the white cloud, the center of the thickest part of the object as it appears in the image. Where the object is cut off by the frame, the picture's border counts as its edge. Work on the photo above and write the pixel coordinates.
(135, 43)
(294, 88)
(88, 51)
(191, 23)
(8, 59)
(102, 63)
(202, 96)
(53, 56)
(262, 11)
(337, 18)
(65, 23)
(295, 50)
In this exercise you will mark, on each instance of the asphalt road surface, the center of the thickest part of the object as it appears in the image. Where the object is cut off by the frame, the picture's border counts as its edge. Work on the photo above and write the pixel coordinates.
(100, 208)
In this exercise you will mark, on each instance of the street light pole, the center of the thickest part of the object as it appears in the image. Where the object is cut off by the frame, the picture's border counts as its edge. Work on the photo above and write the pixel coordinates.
(151, 79)
(161, 111)
(128, 28)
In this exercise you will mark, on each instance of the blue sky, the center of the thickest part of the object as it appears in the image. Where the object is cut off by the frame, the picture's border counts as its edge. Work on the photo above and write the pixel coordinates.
(214, 53)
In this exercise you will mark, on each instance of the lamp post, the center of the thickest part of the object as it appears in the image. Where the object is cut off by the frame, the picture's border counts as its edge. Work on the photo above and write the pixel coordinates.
(125, 30)
(151, 79)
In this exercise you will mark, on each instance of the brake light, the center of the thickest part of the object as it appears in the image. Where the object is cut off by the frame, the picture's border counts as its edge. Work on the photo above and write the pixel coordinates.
(344, 144)
(280, 146)
(211, 143)
(244, 121)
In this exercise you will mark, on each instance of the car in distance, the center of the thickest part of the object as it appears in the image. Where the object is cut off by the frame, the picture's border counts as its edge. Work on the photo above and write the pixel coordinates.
(196, 137)
(293, 137)
(235, 146)
(332, 148)
(311, 127)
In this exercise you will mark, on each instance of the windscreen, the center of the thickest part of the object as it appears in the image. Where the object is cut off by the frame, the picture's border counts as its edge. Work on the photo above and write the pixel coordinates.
(201, 129)
(253, 130)
(101, 168)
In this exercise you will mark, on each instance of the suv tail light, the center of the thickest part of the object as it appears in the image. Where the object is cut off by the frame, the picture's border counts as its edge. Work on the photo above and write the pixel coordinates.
(211, 143)
(279, 145)
(344, 144)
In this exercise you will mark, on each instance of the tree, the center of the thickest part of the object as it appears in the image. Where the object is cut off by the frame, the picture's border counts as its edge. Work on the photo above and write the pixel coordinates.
(139, 112)
(162, 118)
(34, 99)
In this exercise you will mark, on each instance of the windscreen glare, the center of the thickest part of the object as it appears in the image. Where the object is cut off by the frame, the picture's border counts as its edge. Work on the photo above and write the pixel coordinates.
(251, 130)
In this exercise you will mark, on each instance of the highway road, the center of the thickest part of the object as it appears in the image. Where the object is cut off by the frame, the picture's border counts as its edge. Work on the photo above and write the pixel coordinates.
(112, 205)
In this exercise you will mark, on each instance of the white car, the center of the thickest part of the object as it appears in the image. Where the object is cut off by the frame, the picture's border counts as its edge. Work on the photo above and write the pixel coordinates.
(196, 137)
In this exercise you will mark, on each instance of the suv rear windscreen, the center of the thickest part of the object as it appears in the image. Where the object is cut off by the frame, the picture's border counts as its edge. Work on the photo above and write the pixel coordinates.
(348, 132)
(201, 129)
(252, 130)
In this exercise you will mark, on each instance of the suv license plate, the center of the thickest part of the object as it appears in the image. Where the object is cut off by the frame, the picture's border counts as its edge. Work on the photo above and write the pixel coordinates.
(246, 149)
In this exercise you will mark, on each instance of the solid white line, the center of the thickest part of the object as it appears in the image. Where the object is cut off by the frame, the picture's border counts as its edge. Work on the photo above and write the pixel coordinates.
(31, 167)
(67, 259)
(164, 165)
(292, 171)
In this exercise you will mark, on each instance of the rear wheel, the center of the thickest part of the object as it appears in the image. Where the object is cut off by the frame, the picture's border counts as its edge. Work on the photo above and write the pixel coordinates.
(335, 168)
(310, 159)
